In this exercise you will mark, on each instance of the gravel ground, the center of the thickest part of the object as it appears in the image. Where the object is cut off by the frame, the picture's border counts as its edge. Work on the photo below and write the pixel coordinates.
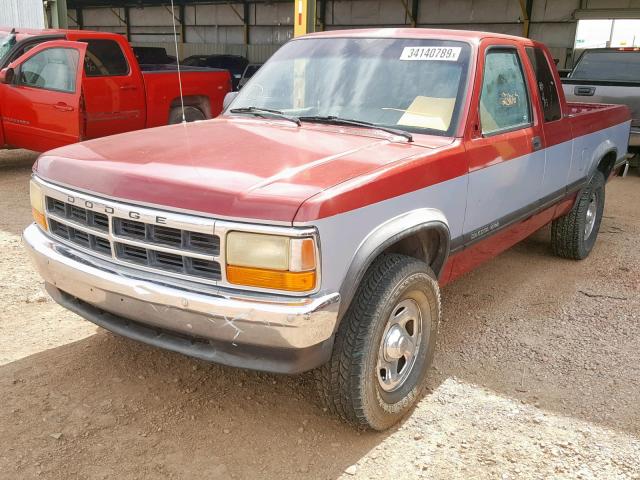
(537, 375)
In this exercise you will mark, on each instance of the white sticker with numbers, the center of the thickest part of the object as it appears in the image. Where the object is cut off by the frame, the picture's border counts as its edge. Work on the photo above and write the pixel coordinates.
(447, 54)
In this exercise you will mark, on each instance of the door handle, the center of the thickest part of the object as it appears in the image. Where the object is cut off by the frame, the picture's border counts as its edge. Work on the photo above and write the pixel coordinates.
(536, 143)
(128, 87)
(63, 107)
(584, 91)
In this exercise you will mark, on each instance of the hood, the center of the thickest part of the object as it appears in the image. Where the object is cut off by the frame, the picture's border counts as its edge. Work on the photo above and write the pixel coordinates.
(227, 167)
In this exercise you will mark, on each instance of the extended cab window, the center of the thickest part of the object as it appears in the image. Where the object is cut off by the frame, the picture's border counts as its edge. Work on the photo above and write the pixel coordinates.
(546, 84)
(504, 102)
(51, 69)
(104, 58)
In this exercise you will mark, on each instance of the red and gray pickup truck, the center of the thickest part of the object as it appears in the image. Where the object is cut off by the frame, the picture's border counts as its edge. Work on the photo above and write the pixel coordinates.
(61, 86)
(312, 225)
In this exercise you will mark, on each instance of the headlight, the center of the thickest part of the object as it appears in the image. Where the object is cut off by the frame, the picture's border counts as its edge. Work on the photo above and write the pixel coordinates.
(37, 204)
(275, 262)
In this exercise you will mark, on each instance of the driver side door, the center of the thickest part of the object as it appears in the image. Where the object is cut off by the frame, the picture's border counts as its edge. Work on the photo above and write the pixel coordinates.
(41, 104)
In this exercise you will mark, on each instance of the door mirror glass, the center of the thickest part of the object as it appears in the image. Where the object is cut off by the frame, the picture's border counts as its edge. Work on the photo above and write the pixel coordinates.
(6, 75)
(228, 98)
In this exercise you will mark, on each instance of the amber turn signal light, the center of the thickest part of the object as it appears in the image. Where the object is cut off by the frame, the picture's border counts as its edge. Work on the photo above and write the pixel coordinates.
(272, 279)
(39, 218)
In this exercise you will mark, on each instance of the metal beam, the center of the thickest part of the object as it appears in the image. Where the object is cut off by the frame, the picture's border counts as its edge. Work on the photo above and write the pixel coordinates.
(117, 14)
(322, 15)
(247, 21)
(407, 12)
(238, 14)
(80, 18)
(526, 7)
(415, 7)
(304, 17)
(58, 13)
(183, 26)
(127, 23)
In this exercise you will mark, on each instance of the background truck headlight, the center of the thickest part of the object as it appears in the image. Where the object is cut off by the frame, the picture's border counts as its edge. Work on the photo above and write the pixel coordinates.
(275, 262)
(37, 204)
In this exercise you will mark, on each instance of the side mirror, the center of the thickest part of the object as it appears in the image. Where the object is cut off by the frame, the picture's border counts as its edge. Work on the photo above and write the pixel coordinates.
(6, 75)
(228, 98)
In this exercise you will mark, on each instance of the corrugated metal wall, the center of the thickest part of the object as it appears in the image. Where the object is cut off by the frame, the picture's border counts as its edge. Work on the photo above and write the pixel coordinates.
(22, 13)
(219, 28)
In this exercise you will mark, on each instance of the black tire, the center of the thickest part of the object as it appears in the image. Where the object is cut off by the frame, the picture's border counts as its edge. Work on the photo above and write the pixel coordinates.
(191, 114)
(569, 238)
(349, 384)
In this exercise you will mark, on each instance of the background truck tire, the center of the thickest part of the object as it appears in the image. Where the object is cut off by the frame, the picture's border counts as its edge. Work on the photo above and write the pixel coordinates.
(191, 114)
(358, 382)
(574, 235)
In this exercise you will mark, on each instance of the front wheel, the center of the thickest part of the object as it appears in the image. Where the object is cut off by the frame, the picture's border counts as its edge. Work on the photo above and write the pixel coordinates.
(574, 234)
(385, 344)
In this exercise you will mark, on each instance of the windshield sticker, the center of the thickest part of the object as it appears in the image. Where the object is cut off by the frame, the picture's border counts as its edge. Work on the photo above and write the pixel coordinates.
(447, 54)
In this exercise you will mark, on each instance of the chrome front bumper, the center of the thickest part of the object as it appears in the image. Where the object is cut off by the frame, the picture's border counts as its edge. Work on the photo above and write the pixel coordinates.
(265, 332)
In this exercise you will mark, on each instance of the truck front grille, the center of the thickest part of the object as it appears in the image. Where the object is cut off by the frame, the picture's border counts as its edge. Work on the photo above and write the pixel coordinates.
(174, 244)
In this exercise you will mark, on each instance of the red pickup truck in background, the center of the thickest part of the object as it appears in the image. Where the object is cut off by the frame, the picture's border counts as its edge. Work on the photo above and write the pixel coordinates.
(61, 86)
(312, 225)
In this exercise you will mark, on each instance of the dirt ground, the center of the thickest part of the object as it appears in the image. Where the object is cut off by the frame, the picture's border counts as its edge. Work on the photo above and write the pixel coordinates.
(537, 375)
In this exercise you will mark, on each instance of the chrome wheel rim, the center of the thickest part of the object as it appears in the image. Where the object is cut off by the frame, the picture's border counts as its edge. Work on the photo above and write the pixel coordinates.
(401, 342)
(592, 212)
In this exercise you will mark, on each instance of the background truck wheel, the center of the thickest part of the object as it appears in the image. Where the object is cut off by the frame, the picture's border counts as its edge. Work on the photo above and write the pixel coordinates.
(574, 234)
(384, 345)
(191, 114)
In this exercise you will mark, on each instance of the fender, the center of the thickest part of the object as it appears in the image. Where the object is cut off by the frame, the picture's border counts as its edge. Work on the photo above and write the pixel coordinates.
(602, 150)
(386, 235)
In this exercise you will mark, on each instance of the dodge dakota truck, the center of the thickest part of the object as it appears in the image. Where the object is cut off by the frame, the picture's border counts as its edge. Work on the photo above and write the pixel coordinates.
(61, 86)
(312, 225)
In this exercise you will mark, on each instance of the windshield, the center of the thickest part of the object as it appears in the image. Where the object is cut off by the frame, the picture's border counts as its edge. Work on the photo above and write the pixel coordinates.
(408, 84)
(612, 65)
(6, 42)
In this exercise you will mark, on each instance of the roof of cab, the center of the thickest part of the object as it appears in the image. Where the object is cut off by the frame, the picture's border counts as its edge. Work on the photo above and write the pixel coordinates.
(463, 35)
(38, 32)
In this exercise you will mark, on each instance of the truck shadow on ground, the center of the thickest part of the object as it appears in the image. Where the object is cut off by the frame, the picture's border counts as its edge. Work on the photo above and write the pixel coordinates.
(113, 398)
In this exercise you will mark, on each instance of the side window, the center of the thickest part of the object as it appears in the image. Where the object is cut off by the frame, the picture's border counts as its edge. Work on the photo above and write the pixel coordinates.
(546, 84)
(51, 69)
(104, 58)
(504, 102)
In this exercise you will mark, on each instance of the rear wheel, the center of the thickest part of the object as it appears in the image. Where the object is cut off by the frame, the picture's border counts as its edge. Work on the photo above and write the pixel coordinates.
(191, 114)
(574, 234)
(384, 346)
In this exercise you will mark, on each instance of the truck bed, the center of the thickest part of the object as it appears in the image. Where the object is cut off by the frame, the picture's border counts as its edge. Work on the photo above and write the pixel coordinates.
(579, 108)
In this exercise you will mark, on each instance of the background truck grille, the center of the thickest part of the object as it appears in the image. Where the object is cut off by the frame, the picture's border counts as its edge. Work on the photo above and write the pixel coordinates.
(176, 251)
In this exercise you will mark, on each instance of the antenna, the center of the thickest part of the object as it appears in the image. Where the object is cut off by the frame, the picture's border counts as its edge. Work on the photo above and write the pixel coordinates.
(175, 41)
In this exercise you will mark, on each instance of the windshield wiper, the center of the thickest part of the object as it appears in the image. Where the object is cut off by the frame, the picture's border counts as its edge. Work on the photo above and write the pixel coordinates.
(333, 120)
(263, 111)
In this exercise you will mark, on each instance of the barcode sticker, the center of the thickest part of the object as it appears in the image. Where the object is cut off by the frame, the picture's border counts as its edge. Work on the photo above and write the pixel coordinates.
(447, 54)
